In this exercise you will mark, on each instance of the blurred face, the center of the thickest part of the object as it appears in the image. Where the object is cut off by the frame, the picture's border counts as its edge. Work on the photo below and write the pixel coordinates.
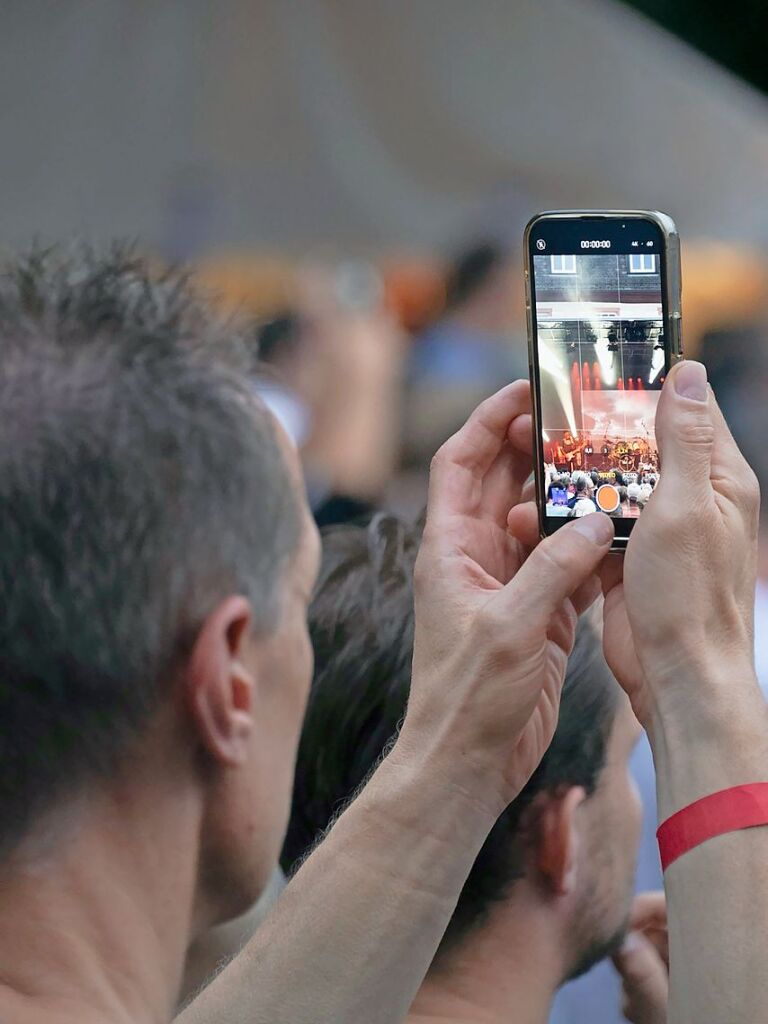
(611, 820)
(250, 801)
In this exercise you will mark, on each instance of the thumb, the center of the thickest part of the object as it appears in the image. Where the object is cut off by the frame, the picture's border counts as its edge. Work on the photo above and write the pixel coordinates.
(556, 568)
(685, 432)
(644, 977)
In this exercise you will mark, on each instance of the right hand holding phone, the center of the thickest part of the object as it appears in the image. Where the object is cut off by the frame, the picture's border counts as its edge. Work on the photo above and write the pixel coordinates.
(679, 605)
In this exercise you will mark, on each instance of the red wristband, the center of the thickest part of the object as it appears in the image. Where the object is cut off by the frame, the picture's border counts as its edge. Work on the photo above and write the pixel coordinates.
(730, 810)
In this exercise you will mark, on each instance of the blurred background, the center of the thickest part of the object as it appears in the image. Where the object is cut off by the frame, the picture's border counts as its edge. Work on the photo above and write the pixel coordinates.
(354, 177)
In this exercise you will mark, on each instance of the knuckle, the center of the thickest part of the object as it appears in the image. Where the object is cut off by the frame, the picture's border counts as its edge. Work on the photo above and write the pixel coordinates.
(696, 433)
(741, 485)
(747, 489)
(437, 461)
(443, 455)
(561, 553)
(495, 636)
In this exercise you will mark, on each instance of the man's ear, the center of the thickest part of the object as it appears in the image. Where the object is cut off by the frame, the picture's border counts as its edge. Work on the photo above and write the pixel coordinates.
(556, 846)
(218, 688)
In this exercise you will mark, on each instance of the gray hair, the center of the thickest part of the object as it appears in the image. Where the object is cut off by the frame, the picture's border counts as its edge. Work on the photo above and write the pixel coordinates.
(140, 483)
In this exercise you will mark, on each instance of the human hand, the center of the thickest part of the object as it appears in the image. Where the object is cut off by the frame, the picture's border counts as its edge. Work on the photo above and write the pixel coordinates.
(495, 620)
(643, 961)
(679, 607)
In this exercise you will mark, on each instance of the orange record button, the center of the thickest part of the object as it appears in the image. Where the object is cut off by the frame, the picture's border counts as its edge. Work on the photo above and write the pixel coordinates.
(607, 498)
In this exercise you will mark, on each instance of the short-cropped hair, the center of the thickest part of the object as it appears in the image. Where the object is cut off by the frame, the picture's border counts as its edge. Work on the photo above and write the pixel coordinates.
(141, 482)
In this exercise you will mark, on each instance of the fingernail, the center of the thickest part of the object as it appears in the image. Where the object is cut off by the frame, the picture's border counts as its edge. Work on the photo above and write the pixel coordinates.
(691, 381)
(596, 526)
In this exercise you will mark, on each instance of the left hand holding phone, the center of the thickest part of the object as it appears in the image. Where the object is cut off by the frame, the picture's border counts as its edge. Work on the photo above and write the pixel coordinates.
(495, 620)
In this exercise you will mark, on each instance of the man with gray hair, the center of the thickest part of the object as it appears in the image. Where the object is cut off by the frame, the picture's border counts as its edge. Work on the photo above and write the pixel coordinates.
(156, 563)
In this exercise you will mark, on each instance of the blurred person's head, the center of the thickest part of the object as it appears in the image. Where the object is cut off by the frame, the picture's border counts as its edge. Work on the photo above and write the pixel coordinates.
(276, 366)
(555, 875)
(582, 485)
(155, 569)
(481, 290)
(279, 337)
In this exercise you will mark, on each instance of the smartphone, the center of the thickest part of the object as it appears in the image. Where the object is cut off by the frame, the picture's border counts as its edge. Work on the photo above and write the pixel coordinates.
(604, 327)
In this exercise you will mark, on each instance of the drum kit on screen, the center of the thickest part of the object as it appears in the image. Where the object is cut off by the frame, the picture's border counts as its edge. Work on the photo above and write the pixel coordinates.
(634, 456)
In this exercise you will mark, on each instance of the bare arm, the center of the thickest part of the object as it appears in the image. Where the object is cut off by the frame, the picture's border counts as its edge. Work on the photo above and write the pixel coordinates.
(688, 599)
(718, 892)
(354, 933)
(678, 636)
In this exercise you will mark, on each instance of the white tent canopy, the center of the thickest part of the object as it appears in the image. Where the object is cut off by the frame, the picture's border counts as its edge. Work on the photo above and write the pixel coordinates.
(284, 123)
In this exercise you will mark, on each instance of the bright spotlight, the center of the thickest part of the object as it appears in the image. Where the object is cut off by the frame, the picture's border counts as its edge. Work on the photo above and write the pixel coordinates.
(556, 367)
(657, 364)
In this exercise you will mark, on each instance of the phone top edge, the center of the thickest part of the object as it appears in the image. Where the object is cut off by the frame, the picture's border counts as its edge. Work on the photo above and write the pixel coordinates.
(663, 220)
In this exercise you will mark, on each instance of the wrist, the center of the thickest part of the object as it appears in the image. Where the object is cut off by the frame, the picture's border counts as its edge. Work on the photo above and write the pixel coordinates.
(708, 738)
(471, 785)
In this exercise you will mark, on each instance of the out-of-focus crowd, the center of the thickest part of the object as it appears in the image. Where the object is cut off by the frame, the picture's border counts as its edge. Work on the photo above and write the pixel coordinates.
(372, 365)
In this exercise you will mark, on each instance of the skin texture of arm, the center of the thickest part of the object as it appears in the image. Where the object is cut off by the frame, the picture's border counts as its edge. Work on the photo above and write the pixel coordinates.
(355, 931)
(678, 635)
(695, 687)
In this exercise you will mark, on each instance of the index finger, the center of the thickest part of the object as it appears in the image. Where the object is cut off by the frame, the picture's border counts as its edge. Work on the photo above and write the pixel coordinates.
(460, 466)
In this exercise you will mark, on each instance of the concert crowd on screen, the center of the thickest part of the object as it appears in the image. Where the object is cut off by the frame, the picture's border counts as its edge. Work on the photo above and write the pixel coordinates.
(574, 494)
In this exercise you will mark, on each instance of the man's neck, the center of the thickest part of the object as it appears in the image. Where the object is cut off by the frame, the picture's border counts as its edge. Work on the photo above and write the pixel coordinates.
(96, 918)
(508, 969)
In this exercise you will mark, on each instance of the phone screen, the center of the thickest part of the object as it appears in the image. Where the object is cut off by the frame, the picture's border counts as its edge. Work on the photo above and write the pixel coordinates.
(599, 360)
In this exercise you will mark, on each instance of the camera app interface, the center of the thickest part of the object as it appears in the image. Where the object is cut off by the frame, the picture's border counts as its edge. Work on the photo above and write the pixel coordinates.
(602, 364)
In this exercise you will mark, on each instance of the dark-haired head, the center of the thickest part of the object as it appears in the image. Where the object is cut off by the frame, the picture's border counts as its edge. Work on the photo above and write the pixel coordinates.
(361, 623)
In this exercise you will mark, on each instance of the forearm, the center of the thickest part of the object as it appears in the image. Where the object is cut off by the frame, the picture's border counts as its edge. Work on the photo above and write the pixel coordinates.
(352, 936)
(718, 892)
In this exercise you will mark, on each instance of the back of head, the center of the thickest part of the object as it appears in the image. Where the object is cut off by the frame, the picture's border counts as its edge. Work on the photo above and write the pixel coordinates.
(140, 483)
(361, 622)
